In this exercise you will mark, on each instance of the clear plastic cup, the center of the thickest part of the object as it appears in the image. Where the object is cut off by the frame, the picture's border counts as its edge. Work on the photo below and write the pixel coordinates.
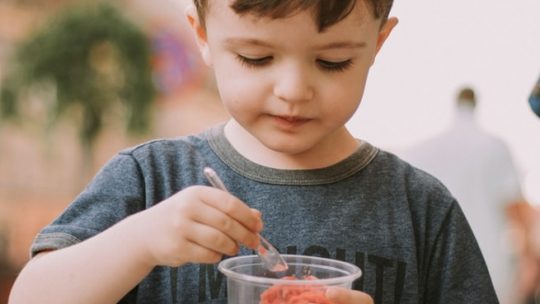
(248, 282)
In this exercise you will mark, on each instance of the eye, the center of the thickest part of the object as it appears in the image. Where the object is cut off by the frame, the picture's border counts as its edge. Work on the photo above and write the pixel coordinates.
(254, 62)
(334, 66)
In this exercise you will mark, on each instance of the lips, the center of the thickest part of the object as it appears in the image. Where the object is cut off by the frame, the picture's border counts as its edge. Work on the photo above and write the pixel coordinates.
(289, 122)
(292, 119)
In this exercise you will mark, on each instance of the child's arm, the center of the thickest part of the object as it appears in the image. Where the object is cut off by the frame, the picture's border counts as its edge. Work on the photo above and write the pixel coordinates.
(198, 224)
(99, 270)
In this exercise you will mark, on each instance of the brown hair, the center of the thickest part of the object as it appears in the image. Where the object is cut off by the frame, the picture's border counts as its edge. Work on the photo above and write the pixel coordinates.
(327, 12)
(466, 96)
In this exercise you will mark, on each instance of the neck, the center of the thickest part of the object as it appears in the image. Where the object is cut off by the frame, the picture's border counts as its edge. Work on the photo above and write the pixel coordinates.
(464, 112)
(336, 148)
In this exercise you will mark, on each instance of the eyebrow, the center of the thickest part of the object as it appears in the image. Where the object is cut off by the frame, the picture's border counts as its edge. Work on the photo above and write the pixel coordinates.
(343, 45)
(246, 41)
(333, 45)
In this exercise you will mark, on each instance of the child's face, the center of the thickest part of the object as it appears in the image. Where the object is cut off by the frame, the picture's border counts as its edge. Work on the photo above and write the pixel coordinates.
(290, 86)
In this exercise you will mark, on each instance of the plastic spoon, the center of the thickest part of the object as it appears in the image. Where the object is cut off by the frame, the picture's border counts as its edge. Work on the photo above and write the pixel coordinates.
(269, 255)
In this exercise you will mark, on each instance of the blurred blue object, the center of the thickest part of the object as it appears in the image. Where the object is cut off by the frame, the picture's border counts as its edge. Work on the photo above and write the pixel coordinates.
(534, 99)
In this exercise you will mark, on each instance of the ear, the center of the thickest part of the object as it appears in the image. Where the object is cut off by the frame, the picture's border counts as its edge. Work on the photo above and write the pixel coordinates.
(385, 31)
(199, 32)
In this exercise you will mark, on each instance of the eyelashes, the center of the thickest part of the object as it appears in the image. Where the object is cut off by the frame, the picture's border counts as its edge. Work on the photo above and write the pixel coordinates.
(339, 66)
(325, 65)
(254, 62)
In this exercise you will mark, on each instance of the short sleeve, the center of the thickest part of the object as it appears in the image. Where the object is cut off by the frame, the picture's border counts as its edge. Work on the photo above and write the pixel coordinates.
(116, 192)
(457, 272)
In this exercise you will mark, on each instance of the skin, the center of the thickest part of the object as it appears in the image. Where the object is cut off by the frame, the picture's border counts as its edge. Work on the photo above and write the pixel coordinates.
(289, 113)
(290, 95)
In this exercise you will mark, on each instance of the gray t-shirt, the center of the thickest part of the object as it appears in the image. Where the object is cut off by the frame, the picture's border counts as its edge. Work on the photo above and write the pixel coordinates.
(397, 223)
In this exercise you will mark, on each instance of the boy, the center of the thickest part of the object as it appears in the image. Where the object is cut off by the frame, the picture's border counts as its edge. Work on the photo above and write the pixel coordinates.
(290, 73)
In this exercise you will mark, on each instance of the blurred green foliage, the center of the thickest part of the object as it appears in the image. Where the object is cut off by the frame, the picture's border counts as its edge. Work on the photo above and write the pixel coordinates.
(95, 60)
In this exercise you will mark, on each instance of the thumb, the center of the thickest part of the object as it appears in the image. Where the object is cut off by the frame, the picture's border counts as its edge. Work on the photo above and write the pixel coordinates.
(341, 295)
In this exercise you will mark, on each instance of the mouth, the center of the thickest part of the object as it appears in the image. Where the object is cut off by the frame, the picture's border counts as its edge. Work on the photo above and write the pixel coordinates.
(289, 122)
(292, 119)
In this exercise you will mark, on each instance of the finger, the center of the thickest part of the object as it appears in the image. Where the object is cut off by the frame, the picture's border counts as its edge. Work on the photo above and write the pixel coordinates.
(224, 223)
(199, 254)
(340, 295)
(233, 207)
(212, 239)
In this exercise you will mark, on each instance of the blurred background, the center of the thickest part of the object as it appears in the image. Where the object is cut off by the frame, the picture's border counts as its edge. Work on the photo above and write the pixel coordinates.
(58, 127)
(56, 131)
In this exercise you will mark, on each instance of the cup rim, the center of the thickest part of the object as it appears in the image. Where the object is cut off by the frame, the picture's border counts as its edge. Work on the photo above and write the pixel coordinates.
(355, 271)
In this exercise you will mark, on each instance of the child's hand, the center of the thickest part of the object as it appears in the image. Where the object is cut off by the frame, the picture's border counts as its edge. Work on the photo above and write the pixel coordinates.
(197, 225)
(340, 295)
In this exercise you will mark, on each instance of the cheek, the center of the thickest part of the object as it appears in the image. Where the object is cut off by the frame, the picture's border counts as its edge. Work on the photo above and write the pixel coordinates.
(229, 88)
(238, 94)
(357, 84)
(341, 112)
(237, 85)
(347, 92)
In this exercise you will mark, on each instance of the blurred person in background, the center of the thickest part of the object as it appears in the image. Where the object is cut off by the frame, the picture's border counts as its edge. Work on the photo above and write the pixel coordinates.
(477, 168)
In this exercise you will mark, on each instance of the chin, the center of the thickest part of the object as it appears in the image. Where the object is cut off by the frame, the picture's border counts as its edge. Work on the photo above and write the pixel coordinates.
(287, 147)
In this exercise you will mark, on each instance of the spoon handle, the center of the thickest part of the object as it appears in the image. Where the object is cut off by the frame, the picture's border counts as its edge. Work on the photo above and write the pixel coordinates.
(269, 255)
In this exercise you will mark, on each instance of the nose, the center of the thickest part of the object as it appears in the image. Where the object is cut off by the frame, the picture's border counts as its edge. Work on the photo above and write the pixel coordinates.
(294, 84)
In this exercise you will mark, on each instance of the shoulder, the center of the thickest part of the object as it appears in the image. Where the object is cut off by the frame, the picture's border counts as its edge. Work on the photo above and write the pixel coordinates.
(160, 158)
(164, 146)
(166, 150)
(420, 189)
(422, 199)
(395, 168)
